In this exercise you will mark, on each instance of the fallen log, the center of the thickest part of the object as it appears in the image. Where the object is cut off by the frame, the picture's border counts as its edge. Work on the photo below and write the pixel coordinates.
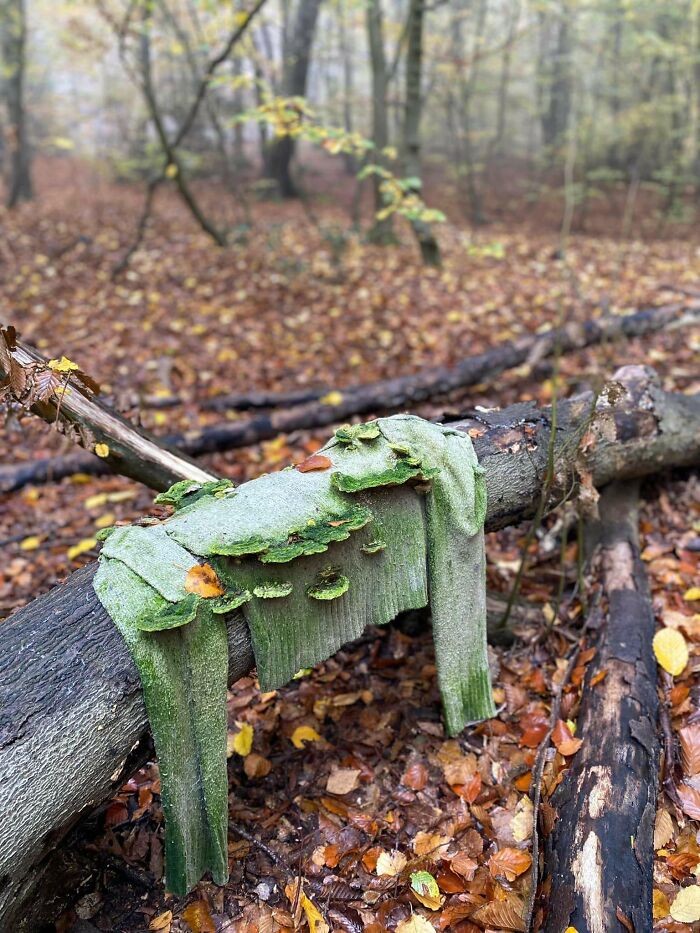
(388, 394)
(71, 712)
(391, 395)
(600, 853)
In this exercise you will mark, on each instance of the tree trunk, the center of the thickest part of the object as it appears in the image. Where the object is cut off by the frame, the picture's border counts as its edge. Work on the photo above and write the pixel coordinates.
(278, 157)
(391, 394)
(600, 853)
(71, 712)
(413, 108)
(13, 39)
(382, 231)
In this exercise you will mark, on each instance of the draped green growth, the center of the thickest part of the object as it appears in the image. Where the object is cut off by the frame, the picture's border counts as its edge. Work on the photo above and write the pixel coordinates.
(393, 520)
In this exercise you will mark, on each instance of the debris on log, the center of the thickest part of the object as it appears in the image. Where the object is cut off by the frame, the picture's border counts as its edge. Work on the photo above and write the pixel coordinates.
(391, 395)
(599, 862)
(71, 711)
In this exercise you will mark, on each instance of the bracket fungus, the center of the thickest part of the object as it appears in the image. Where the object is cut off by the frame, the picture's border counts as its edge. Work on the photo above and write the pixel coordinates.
(389, 518)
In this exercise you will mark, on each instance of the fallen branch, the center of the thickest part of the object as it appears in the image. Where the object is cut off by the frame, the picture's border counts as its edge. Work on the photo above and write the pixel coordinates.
(71, 711)
(600, 852)
(390, 395)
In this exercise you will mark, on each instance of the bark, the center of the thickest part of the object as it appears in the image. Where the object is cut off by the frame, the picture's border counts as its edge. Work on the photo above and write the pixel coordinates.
(600, 854)
(278, 157)
(413, 109)
(382, 231)
(388, 395)
(71, 711)
(13, 39)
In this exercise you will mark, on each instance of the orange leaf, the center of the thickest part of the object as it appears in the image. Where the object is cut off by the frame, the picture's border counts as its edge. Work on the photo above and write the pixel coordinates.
(471, 789)
(690, 800)
(415, 776)
(563, 740)
(314, 462)
(198, 918)
(202, 580)
(690, 748)
(509, 863)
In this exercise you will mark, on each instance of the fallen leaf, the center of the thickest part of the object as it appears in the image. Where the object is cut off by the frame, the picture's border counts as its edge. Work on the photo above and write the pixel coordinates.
(415, 776)
(241, 742)
(82, 547)
(660, 905)
(415, 924)
(304, 734)
(161, 922)
(522, 820)
(426, 890)
(202, 580)
(464, 865)
(563, 739)
(102, 450)
(64, 365)
(663, 829)
(671, 650)
(198, 918)
(30, 544)
(690, 800)
(429, 844)
(509, 863)
(692, 594)
(314, 462)
(506, 914)
(343, 780)
(689, 737)
(686, 904)
(390, 864)
(331, 398)
(256, 766)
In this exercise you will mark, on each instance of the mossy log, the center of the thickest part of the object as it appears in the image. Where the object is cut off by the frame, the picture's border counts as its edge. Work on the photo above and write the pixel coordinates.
(71, 707)
(390, 395)
(600, 855)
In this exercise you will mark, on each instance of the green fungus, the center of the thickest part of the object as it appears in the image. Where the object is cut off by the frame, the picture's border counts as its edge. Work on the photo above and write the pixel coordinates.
(406, 490)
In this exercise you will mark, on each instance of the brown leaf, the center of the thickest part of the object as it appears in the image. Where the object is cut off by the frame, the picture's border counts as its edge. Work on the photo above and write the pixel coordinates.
(415, 776)
(343, 780)
(314, 462)
(202, 580)
(563, 740)
(690, 800)
(256, 766)
(509, 863)
(690, 748)
(198, 917)
(506, 914)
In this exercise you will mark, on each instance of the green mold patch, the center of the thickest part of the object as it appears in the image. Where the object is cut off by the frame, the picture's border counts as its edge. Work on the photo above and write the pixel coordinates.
(406, 492)
(273, 590)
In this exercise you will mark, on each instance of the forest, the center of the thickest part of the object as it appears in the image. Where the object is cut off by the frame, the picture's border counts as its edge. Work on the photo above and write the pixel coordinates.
(349, 491)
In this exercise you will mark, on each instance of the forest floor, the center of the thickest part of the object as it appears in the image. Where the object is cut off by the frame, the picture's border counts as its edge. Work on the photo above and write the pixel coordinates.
(349, 786)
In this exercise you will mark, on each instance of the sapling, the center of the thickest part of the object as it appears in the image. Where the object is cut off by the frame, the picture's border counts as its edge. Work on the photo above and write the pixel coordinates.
(387, 516)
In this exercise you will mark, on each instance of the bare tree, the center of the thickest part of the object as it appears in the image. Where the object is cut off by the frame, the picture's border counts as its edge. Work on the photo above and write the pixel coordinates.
(382, 230)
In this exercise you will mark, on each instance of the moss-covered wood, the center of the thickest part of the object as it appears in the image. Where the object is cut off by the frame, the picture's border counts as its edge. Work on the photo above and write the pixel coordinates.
(393, 520)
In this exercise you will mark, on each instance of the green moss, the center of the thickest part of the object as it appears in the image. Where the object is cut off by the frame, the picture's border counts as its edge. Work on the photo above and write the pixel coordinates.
(373, 547)
(171, 615)
(187, 492)
(330, 585)
(229, 602)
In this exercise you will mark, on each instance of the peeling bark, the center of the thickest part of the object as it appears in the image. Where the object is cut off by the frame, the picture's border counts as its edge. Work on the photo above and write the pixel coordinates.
(71, 711)
(600, 853)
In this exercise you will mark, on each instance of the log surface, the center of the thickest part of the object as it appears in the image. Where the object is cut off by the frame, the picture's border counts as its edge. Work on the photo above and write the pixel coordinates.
(600, 854)
(71, 710)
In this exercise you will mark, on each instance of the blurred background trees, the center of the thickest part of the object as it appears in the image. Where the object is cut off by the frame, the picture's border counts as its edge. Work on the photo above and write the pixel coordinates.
(470, 106)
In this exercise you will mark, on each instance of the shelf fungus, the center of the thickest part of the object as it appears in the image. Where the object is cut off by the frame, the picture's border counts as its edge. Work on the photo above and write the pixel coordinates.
(388, 517)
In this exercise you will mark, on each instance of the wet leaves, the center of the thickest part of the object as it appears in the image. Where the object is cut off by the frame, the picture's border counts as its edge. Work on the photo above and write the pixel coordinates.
(203, 581)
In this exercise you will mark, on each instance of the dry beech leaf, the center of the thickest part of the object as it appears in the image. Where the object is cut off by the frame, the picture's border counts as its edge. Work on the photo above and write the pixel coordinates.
(425, 889)
(241, 742)
(690, 800)
(464, 865)
(430, 844)
(314, 462)
(522, 820)
(343, 780)
(198, 917)
(506, 914)
(509, 863)
(161, 922)
(689, 737)
(390, 864)
(663, 829)
(660, 905)
(256, 766)
(202, 580)
(415, 924)
(304, 734)
(415, 776)
(671, 651)
(563, 740)
(686, 905)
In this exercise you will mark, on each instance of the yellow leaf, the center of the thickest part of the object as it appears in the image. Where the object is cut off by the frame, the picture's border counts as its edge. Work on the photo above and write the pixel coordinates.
(161, 922)
(87, 544)
(314, 917)
(30, 544)
(102, 450)
(104, 521)
(426, 890)
(415, 924)
(660, 908)
(171, 171)
(64, 365)
(94, 502)
(522, 820)
(671, 650)
(686, 905)
(571, 930)
(692, 594)
(242, 741)
(303, 734)
(332, 398)
(390, 864)
(202, 580)
(62, 142)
